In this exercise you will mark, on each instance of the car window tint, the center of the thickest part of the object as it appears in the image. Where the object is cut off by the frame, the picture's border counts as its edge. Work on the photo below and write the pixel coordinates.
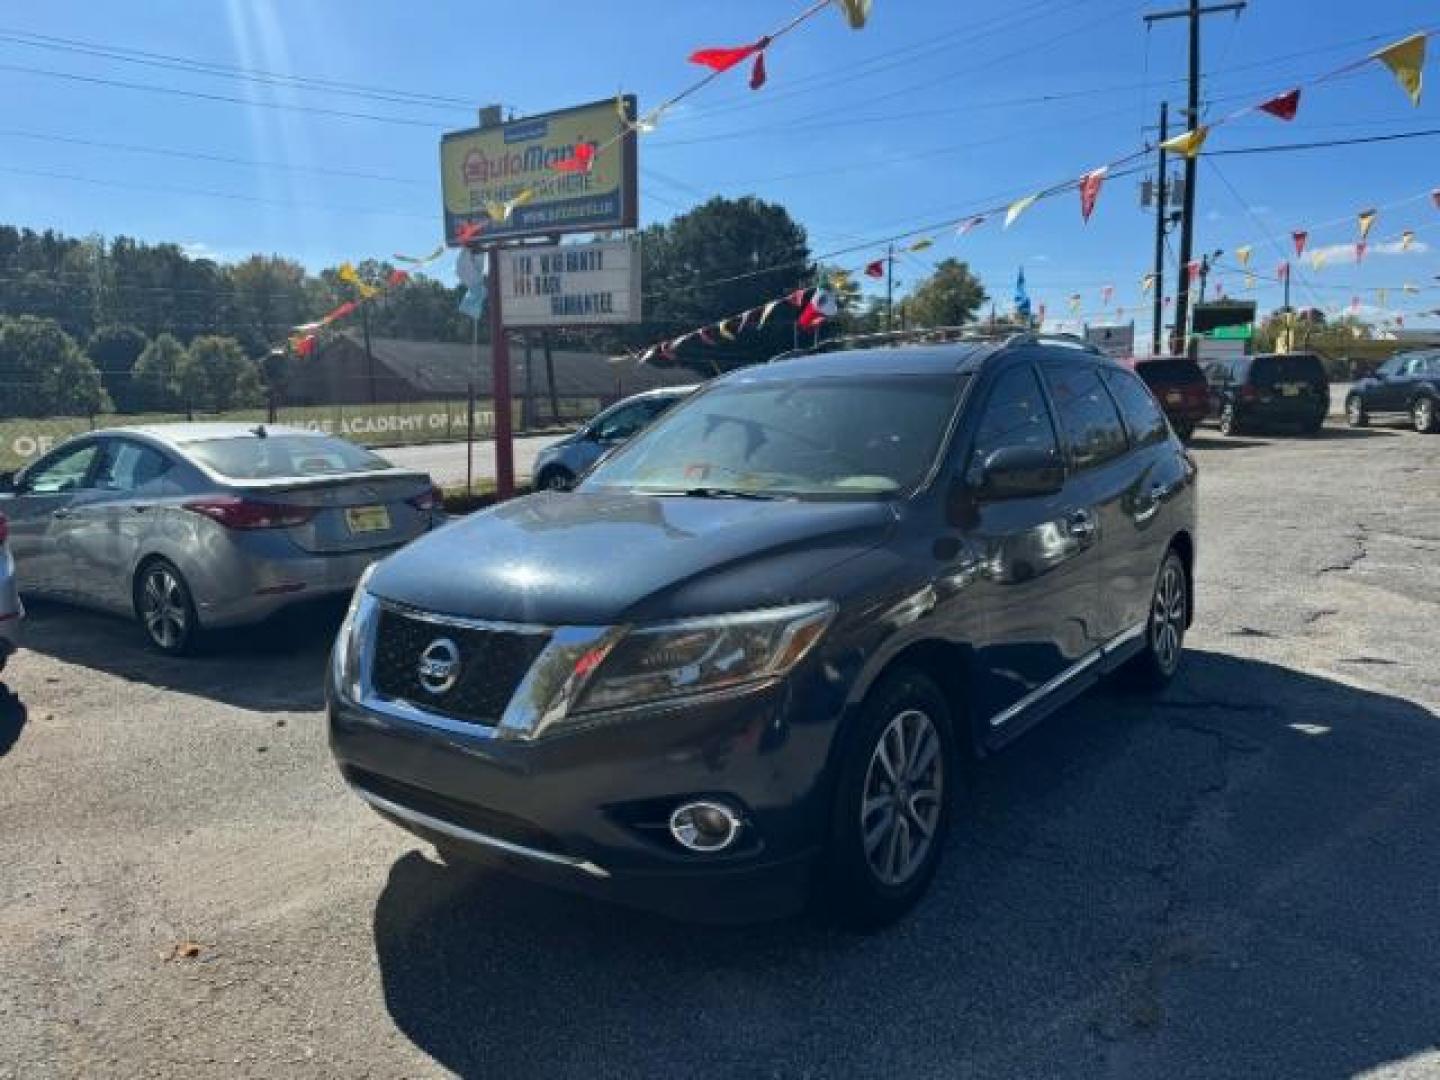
(1391, 366)
(623, 423)
(1015, 415)
(1088, 416)
(252, 457)
(130, 466)
(1143, 418)
(1417, 365)
(1299, 367)
(1170, 372)
(65, 472)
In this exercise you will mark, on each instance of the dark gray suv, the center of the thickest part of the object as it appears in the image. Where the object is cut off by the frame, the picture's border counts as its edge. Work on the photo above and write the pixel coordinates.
(742, 664)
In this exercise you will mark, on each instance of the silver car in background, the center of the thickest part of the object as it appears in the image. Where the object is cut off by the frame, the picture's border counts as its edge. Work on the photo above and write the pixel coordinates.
(11, 610)
(560, 464)
(191, 527)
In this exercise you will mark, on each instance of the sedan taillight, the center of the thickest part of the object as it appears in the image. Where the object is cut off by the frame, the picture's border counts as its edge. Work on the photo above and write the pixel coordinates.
(428, 501)
(237, 513)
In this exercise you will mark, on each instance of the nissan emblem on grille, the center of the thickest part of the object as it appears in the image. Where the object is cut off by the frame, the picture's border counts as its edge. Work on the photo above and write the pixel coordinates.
(439, 666)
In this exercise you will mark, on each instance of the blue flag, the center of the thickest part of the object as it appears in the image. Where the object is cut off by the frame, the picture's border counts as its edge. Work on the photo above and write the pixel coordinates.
(1022, 298)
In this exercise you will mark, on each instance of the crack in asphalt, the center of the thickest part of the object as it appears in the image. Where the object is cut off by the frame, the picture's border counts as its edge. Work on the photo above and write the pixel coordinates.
(1314, 617)
(1355, 557)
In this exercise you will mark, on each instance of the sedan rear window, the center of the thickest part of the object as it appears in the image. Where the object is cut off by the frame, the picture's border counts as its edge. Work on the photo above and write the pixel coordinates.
(1273, 370)
(273, 457)
(1170, 372)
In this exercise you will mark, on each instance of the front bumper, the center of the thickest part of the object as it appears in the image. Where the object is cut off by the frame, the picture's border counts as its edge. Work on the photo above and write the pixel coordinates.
(587, 810)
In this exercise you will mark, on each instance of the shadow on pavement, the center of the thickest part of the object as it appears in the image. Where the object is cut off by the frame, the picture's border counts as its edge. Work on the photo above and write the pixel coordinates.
(13, 715)
(276, 666)
(1237, 880)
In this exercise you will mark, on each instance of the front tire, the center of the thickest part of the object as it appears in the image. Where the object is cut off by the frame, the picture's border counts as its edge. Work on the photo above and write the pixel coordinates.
(557, 479)
(1424, 415)
(1229, 422)
(893, 803)
(1355, 414)
(165, 608)
(1165, 628)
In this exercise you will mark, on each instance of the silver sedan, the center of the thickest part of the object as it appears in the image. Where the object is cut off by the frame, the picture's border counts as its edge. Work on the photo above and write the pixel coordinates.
(191, 527)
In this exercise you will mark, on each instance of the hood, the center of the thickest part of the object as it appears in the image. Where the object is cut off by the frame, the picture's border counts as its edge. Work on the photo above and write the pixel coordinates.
(596, 558)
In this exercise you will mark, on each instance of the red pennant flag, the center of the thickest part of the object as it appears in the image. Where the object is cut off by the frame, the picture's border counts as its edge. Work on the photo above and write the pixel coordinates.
(578, 162)
(798, 297)
(821, 307)
(1105, 294)
(469, 231)
(757, 73)
(341, 311)
(1300, 236)
(704, 336)
(1283, 106)
(305, 346)
(397, 277)
(1090, 191)
(725, 59)
(875, 269)
(667, 350)
(1282, 272)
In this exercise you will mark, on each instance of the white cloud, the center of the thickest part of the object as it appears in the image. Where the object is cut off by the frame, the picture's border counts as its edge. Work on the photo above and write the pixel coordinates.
(198, 249)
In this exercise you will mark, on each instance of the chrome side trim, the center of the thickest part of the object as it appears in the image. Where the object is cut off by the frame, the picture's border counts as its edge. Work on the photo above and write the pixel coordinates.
(461, 621)
(1045, 690)
(1085, 662)
(470, 836)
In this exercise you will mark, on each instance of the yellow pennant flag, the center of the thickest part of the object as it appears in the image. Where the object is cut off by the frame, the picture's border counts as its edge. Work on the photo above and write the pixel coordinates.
(1317, 258)
(839, 279)
(767, 312)
(367, 291)
(1250, 282)
(1189, 143)
(921, 245)
(1367, 219)
(496, 210)
(1146, 284)
(856, 12)
(1407, 238)
(1243, 254)
(724, 328)
(1406, 59)
(348, 274)
(1018, 207)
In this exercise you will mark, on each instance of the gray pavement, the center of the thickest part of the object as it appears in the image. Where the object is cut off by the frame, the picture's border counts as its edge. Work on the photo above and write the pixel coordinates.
(1240, 879)
(445, 462)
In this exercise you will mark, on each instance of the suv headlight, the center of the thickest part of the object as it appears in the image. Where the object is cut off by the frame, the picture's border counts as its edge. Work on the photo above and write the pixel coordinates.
(350, 641)
(698, 656)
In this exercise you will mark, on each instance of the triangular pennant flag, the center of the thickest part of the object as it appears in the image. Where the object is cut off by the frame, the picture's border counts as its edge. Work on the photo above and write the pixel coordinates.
(744, 320)
(724, 327)
(1360, 247)
(758, 74)
(468, 231)
(856, 12)
(1366, 219)
(367, 292)
(1317, 258)
(348, 274)
(1189, 143)
(1282, 272)
(1146, 284)
(822, 306)
(667, 350)
(797, 298)
(1406, 59)
(1407, 240)
(839, 279)
(766, 312)
(1250, 282)
(725, 59)
(340, 312)
(875, 269)
(1105, 294)
(975, 222)
(1284, 106)
(1192, 269)
(1090, 185)
(1299, 236)
(1243, 254)
(704, 335)
(580, 159)
(397, 277)
(923, 244)
(1018, 207)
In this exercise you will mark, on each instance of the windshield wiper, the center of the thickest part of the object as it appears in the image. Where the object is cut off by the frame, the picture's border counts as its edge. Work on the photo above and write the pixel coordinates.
(719, 493)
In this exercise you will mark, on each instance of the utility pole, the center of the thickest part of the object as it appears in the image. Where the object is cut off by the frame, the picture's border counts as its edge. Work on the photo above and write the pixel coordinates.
(1194, 12)
(890, 289)
(1162, 211)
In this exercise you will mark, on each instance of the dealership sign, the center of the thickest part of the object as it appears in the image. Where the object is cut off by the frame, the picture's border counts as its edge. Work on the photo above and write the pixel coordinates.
(571, 284)
(499, 164)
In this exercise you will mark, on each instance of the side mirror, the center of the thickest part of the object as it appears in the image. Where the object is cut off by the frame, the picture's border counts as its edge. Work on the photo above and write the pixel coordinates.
(1020, 472)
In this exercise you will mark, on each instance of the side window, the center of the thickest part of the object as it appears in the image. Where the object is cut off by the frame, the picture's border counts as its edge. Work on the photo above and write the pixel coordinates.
(1088, 416)
(1418, 365)
(623, 423)
(64, 472)
(1015, 415)
(1143, 419)
(130, 466)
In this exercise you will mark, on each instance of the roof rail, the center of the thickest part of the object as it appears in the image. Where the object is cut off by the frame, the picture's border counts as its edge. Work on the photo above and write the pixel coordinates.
(1004, 336)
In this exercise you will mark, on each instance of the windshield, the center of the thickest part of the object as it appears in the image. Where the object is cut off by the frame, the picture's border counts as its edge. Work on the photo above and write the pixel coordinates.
(818, 437)
(1270, 370)
(251, 457)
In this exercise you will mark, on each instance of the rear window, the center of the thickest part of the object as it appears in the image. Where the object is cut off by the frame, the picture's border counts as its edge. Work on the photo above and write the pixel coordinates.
(250, 457)
(1170, 372)
(1272, 370)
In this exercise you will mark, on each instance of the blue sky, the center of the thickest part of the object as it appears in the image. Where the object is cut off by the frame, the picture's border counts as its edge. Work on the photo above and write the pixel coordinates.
(927, 115)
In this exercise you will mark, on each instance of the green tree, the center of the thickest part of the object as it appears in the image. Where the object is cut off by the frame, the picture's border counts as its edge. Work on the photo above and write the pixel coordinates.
(949, 297)
(155, 373)
(115, 349)
(45, 372)
(191, 385)
(225, 367)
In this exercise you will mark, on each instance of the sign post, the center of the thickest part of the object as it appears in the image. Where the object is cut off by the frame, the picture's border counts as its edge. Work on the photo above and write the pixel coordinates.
(500, 385)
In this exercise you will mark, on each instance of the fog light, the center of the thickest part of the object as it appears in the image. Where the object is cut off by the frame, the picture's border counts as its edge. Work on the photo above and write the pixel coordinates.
(704, 826)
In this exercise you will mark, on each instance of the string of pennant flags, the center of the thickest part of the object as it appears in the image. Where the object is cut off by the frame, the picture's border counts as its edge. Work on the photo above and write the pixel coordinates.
(1404, 59)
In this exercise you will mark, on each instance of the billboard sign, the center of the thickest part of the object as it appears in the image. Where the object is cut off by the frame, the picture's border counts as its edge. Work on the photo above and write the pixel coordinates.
(496, 164)
(1209, 317)
(571, 284)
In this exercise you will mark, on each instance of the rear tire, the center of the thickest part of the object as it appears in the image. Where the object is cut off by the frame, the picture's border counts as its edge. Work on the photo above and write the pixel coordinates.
(1229, 422)
(557, 479)
(165, 608)
(893, 802)
(1425, 416)
(1157, 663)
(1355, 412)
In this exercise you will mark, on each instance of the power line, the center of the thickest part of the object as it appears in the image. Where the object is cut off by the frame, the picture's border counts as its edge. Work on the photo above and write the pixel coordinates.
(1359, 140)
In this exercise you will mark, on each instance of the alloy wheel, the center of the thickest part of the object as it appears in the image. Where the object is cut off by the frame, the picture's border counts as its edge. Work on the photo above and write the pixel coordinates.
(559, 481)
(1423, 412)
(1355, 412)
(163, 608)
(1167, 616)
(1227, 420)
(903, 796)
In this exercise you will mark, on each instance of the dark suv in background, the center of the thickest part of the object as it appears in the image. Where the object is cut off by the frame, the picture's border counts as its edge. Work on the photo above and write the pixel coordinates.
(1179, 385)
(1404, 385)
(744, 661)
(1249, 393)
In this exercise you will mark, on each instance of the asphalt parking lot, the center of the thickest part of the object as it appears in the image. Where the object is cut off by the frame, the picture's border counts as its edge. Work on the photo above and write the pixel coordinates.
(1239, 879)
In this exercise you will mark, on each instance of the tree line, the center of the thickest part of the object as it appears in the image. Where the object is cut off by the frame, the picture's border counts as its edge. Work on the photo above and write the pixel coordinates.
(89, 325)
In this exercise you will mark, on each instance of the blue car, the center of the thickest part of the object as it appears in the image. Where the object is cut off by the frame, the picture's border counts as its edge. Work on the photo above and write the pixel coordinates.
(560, 464)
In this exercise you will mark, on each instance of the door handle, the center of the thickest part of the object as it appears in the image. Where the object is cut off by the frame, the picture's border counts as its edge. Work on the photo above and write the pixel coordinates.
(1080, 525)
(61, 513)
(139, 509)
